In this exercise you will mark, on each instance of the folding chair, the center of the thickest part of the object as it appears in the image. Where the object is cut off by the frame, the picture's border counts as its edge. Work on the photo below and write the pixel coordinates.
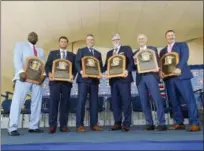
(25, 111)
(136, 107)
(45, 108)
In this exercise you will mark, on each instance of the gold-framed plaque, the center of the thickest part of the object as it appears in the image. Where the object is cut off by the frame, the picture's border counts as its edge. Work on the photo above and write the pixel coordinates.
(34, 68)
(169, 62)
(62, 70)
(91, 67)
(116, 66)
(146, 61)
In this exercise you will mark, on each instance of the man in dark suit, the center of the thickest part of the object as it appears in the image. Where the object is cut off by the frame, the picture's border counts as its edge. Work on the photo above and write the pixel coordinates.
(180, 84)
(121, 86)
(148, 83)
(59, 90)
(87, 85)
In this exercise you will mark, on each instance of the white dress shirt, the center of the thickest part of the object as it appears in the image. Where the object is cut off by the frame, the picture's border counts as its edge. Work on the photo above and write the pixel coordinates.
(170, 46)
(61, 53)
(114, 50)
(91, 49)
(143, 48)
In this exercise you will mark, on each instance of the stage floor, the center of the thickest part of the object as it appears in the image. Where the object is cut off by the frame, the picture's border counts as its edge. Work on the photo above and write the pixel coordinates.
(135, 139)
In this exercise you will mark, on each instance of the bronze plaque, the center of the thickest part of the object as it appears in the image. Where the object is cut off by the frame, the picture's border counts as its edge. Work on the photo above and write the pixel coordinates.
(146, 61)
(169, 63)
(116, 66)
(62, 70)
(91, 67)
(34, 69)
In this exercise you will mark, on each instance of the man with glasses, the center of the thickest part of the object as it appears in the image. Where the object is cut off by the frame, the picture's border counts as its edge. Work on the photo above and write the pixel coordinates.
(121, 86)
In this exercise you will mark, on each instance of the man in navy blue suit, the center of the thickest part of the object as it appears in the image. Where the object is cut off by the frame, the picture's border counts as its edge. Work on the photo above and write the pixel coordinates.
(87, 85)
(59, 90)
(121, 86)
(180, 84)
(148, 83)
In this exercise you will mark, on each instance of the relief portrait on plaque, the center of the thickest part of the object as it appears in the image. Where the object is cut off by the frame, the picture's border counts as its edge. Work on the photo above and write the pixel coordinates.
(169, 63)
(91, 67)
(34, 68)
(146, 61)
(116, 66)
(62, 70)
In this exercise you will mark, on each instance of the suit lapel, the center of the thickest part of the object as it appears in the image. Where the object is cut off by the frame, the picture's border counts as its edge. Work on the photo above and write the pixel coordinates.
(58, 56)
(120, 50)
(174, 48)
(29, 47)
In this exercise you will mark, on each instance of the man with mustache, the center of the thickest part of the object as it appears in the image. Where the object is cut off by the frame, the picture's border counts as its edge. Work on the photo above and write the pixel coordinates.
(180, 85)
(21, 52)
(121, 86)
(148, 83)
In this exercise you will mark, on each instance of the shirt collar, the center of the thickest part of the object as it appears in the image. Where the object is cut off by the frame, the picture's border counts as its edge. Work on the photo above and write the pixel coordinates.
(31, 45)
(63, 50)
(171, 45)
(144, 47)
(90, 48)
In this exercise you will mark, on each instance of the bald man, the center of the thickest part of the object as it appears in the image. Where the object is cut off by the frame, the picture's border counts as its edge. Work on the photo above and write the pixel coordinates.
(148, 83)
(21, 52)
(120, 86)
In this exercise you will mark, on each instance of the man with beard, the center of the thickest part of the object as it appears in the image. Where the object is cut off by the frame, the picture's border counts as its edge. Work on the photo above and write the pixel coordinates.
(121, 86)
(21, 52)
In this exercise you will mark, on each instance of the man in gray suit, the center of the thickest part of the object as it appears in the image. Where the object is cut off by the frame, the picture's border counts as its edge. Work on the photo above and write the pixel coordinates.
(22, 51)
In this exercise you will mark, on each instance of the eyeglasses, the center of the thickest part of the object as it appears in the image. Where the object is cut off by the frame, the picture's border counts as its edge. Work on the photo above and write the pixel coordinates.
(115, 39)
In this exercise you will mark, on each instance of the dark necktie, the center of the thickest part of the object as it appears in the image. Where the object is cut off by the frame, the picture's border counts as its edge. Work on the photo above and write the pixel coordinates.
(92, 51)
(63, 54)
(115, 51)
(35, 51)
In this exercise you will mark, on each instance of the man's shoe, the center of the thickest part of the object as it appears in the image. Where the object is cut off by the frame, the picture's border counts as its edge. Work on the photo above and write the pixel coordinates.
(177, 127)
(194, 128)
(149, 127)
(80, 129)
(64, 129)
(52, 130)
(35, 131)
(161, 128)
(96, 128)
(14, 133)
(125, 128)
(116, 127)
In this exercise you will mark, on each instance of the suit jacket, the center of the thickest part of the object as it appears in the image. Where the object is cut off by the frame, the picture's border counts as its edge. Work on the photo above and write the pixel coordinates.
(139, 75)
(54, 55)
(182, 49)
(22, 51)
(127, 52)
(80, 54)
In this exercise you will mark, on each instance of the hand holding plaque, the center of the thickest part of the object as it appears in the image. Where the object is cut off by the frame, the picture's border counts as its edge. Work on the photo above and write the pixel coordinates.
(34, 70)
(146, 61)
(61, 70)
(116, 66)
(169, 63)
(91, 67)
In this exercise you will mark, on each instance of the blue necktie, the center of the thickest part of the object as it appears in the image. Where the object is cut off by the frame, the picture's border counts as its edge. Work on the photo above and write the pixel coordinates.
(92, 51)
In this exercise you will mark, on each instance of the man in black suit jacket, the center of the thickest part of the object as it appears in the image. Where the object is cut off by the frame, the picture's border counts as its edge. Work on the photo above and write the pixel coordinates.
(148, 83)
(87, 85)
(59, 90)
(121, 86)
